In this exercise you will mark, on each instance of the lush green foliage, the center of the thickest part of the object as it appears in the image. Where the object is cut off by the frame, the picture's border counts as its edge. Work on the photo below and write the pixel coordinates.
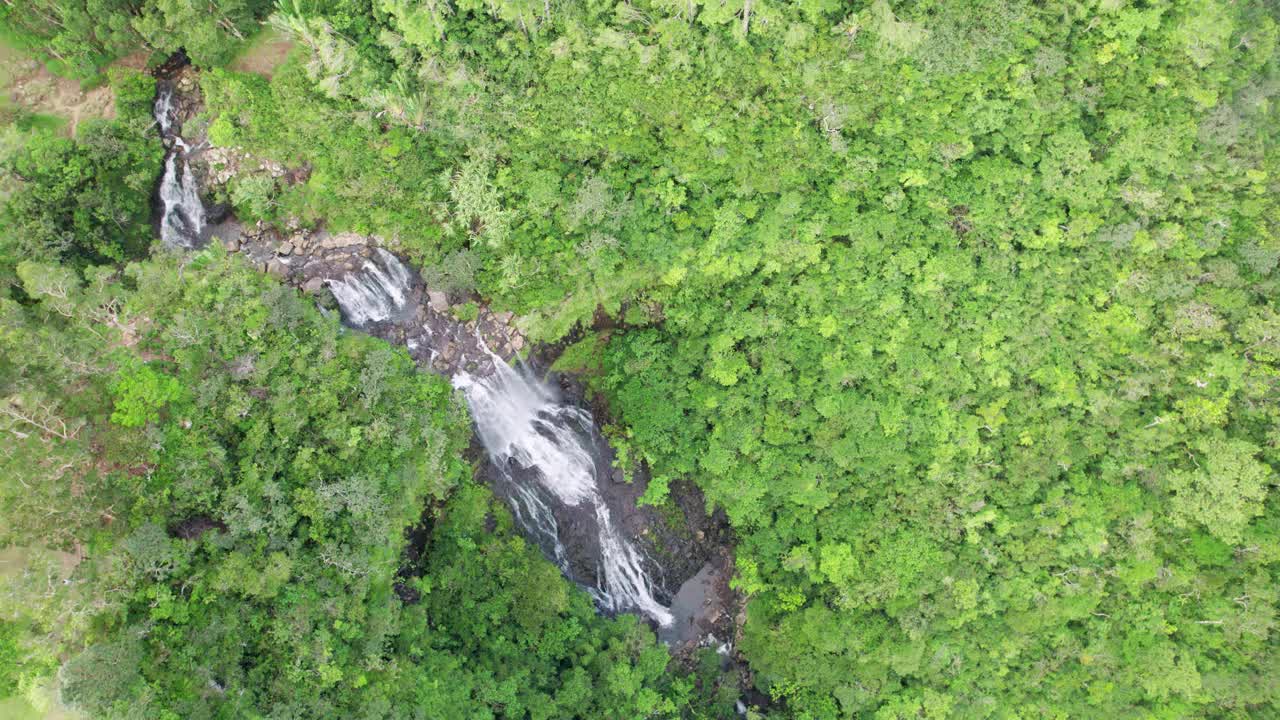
(86, 199)
(79, 37)
(235, 473)
(364, 174)
(963, 311)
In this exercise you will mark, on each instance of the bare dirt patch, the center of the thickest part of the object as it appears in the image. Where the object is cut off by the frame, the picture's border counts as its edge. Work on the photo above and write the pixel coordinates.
(28, 84)
(264, 54)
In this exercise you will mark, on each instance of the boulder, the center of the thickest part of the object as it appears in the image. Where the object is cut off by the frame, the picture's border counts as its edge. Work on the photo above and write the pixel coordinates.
(438, 300)
(313, 286)
(343, 240)
(277, 269)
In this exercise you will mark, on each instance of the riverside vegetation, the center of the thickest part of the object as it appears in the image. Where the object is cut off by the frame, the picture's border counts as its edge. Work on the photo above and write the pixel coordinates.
(965, 313)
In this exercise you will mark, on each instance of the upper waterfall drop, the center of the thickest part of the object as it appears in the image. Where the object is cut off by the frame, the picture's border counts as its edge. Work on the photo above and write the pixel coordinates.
(376, 293)
(182, 218)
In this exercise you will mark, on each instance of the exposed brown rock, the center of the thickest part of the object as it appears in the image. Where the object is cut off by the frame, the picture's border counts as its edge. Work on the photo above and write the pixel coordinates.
(438, 300)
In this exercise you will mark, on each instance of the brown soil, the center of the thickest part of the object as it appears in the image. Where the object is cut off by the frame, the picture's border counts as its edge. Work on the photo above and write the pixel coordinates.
(30, 85)
(265, 53)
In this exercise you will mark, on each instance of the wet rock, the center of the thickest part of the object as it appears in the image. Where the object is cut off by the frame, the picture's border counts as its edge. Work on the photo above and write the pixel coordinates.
(277, 269)
(217, 213)
(438, 300)
(333, 242)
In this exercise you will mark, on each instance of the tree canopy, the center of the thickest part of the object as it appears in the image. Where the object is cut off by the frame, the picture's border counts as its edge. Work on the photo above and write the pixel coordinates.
(963, 312)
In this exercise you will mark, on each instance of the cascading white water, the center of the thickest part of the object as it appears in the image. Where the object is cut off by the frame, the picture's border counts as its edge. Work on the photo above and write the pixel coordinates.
(546, 452)
(520, 422)
(375, 294)
(163, 111)
(182, 217)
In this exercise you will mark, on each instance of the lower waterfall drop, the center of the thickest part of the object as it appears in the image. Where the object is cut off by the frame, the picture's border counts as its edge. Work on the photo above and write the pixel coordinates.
(523, 426)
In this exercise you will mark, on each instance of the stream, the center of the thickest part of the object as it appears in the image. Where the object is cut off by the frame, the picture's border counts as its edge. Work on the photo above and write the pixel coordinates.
(546, 456)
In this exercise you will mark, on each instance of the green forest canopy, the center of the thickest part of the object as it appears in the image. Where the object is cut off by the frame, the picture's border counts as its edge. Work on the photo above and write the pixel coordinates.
(964, 312)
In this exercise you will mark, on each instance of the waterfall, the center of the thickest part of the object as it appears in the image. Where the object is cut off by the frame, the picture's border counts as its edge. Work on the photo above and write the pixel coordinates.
(524, 428)
(547, 454)
(164, 112)
(375, 294)
(182, 218)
